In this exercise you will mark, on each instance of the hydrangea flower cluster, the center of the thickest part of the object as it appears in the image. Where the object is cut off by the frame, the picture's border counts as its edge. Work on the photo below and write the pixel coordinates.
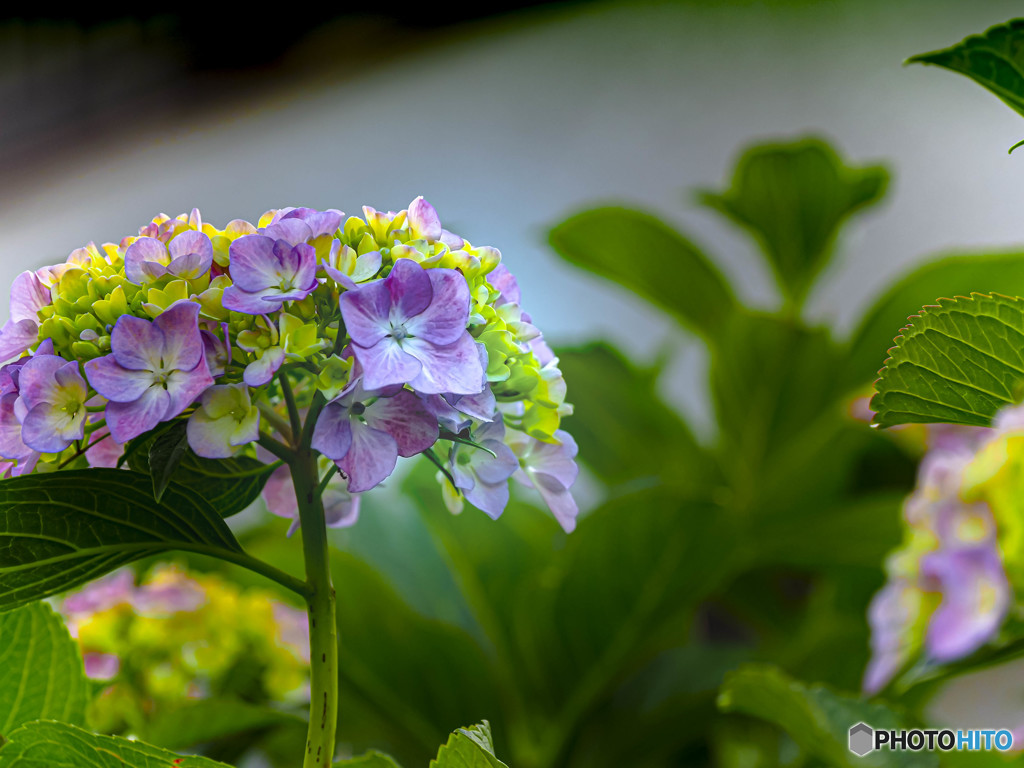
(180, 636)
(948, 590)
(414, 337)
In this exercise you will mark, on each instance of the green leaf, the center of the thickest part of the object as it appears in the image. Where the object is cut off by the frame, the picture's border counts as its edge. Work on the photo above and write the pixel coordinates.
(954, 275)
(228, 485)
(468, 748)
(994, 60)
(41, 674)
(642, 253)
(794, 197)
(371, 759)
(817, 718)
(958, 362)
(60, 530)
(44, 744)
(204, 720)
(165, 454)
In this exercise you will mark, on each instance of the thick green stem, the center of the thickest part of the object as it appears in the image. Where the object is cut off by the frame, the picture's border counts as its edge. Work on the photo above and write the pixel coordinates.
(323, 633)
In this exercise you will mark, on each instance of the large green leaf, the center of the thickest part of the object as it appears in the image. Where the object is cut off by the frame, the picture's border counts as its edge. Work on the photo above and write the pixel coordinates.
(955, 275)
(41, 674)
(228, 485)
(45, 744)
(629, 434)
(60, 530)
(958, 362)
(817, 718)
(642, 253)
(794, 197)
(994, 60)
(468, 748)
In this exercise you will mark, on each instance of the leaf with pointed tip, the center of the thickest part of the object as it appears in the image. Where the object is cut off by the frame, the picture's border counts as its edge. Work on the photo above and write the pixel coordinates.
(229, 485)
(41, 673)
(958, 362)
(793, 198)
(45, 744)
(165, 454)
(817, 718)
(642, 253)
(60, 530)
(953, 275)
(994, 60)
(468, 748)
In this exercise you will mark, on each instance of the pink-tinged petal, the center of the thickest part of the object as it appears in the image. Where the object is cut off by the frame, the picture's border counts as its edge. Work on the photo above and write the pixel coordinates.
(28, 296)
(481, 407)
(258, 303)
(140, 258)
(208, 437)
(319, 222)
(191, 242)
(454, 368)
(37, 380)
(185, 387)
(115, 382)
(101, 666)
(183, 346)
(340, 278)
(292, 231)
(386, 363)
(253, 264)
(137, 344)
(557, 498)
(332, 435)
(11, 444)
(302, 263)
(556, 460)
(69, 378)
(423, 220)
(16, 336)
(410, 288)
(366, 312)
(495, 469)
(279, 494)
(217, 353)
(452, 240)
(26, 465)
(405, 419)
(127, 421)
(506, 285)
(341, 508)
(370, 459)
(445, 319)
(259, 372)
(189, 266)
(105, 453)
(488, 498)
(48, 429)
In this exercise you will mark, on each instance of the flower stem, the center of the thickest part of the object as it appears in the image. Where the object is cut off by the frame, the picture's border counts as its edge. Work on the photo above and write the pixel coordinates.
(323, 637)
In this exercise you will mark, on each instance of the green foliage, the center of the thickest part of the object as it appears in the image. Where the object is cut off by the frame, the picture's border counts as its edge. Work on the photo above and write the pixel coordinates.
(994, 60)
(205, 720)
(958, 362)
(371, 759)
(229, 485)
(59, 532)
(41, 674)
(947, 277)
(58, 745)
(622, 244)
(468, 748)
(793, 198)
(817, 718)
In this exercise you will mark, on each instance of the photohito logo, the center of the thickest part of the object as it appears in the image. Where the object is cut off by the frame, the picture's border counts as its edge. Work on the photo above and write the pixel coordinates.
(864, 740)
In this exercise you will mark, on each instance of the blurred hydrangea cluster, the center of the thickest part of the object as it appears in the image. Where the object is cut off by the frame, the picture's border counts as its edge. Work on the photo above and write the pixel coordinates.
(412, 335)
(951, 583)
(180, 636)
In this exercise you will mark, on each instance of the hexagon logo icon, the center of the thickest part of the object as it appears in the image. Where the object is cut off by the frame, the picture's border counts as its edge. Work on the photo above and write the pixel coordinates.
(862, 739)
